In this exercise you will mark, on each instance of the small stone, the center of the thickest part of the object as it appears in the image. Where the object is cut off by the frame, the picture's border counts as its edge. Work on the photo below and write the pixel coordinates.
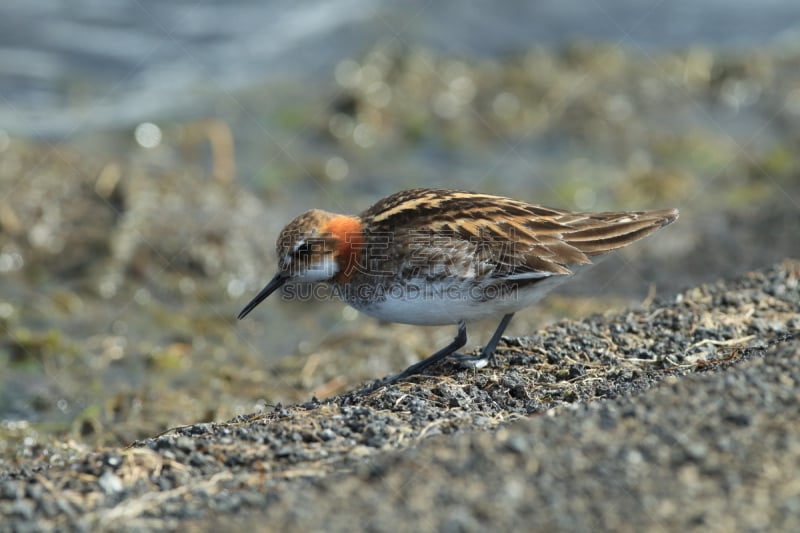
(696, 451)
(110, 483)
(200, 429)
(8, 490)
(34, 491)
(285, 451)
(23, 508)
(517, 444)
(185, 444)
(327, 434)
(759, 325)
(576, 371)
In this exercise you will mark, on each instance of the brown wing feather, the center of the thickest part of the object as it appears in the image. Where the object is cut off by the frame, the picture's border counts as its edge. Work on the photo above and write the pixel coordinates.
(510, 236)
(603, 232)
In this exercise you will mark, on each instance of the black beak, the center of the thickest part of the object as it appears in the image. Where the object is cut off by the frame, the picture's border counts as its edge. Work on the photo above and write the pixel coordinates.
(273, 285)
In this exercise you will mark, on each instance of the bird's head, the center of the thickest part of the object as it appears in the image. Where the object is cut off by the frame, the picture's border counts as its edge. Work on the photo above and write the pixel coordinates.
(316, 246)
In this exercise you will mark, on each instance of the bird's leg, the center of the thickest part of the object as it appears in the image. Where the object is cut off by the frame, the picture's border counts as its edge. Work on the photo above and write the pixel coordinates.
(487, 354)
(459, 341)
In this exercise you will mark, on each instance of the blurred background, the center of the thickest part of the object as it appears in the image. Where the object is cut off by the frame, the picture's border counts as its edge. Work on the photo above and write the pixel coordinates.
(150, 152)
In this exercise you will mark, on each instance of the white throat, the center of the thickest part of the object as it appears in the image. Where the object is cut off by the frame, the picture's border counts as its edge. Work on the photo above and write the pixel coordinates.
(322, 270)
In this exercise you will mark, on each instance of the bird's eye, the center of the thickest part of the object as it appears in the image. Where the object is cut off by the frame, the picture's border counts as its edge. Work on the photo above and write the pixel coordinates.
(304, 249)
(309, 247)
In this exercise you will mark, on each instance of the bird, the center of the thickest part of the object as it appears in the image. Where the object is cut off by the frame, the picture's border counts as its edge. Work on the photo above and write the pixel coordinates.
(441, 257)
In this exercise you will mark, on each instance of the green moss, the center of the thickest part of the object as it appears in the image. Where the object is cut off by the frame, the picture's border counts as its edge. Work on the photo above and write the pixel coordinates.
(748, 194)
(415, 127)
(292, 117)
(28, 348)
(779, 161)
(170, 358)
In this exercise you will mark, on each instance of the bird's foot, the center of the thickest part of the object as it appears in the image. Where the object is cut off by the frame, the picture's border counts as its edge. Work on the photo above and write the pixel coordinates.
(474, 361)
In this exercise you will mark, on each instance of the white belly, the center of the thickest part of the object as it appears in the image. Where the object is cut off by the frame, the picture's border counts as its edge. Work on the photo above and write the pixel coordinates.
(447, 302)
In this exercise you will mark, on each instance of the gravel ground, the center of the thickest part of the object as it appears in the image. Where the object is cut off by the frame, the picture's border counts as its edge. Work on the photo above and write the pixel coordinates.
(717, 451)
(679, 415)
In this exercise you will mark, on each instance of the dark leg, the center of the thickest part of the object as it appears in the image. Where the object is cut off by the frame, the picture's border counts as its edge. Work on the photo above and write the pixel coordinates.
(487, 355)
(458, 342)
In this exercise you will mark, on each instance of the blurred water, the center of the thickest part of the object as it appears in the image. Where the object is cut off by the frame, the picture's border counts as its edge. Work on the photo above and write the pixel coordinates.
(68, 67)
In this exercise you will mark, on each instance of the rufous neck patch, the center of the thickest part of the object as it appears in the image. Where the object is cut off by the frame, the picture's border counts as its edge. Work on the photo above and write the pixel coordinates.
(350, 245)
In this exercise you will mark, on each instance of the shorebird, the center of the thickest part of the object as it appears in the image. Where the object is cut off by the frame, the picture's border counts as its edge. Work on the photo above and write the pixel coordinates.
(437, 257)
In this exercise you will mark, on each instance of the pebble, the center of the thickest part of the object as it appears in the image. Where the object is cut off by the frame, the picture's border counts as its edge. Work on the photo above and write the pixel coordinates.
(110, 483)
(23, 508)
